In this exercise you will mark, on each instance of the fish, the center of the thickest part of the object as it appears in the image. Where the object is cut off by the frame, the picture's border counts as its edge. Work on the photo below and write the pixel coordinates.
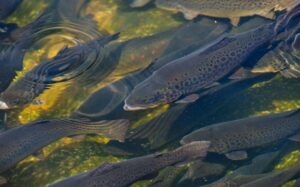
(203, 170)
(139, 3)
(201, 69)
(275, 178)
(129, 171)
(19, 142)
(113, 95)
(8, 7)
(232, 9)
(167, 177)
(11, 61)
(283, 59)
(68, 64)
(233, 138)
(248, 173)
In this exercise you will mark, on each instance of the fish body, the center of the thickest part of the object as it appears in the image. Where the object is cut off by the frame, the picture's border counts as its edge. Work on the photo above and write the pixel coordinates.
(197, 70)
(247, 133)
(68, 64)
(127, 172)
(232, 9)
(20, 142)
(11, 61)
(8, 7)
(275, 178)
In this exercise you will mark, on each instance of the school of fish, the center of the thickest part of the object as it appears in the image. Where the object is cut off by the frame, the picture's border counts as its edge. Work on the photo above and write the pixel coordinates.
(155, 99)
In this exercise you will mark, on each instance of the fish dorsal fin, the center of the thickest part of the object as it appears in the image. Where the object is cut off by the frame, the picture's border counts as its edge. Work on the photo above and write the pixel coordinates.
(61, 52)
(104, 168)
(217, 44)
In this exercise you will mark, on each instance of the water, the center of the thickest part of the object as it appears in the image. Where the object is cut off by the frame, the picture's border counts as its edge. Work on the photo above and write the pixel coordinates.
(97, 88)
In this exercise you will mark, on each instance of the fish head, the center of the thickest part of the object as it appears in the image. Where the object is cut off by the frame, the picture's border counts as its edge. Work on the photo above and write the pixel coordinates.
(10, 101)
(16, 95)
(150, 94)
(202, 134)
(167, 4)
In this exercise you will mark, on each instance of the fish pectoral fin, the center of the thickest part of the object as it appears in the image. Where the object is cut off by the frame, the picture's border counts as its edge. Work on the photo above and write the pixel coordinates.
(235, 21)
(39, 154)
(2, 180)
(242, 73)
(190, 15)
(237, 155)
(295, 138)
(269, 15)
(188, 99)
(213, 85)
(104, 168)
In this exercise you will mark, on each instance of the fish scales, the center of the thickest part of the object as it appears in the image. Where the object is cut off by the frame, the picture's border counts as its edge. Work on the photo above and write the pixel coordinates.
(226, 8)
(19, 142)
(247, 133)
(199, 69)
(134, 169)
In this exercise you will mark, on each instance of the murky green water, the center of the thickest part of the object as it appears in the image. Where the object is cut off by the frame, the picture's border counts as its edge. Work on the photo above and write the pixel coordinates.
(150, 32)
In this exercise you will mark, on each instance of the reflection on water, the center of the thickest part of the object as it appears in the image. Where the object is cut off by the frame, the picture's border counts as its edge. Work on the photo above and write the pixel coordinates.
(72, 67)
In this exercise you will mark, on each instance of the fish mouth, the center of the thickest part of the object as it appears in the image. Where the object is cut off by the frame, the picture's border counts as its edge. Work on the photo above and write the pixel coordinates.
(3, 106)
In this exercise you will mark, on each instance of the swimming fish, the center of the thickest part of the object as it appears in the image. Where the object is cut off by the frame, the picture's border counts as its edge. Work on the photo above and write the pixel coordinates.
(129, 171)
(275, 178)
(203, 170)
(139, 3)
(285, 58)
(11, 61)
(200, 69)
(67, 64)
(234, 137)
(167, 177)
(248, 173)
(232, 9)
(112, 96)
(18, 143)
(8, 7)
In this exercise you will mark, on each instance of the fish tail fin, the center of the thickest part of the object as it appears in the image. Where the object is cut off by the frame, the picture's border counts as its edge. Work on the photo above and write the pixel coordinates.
(285, 59)
(194, 150)
(112, 129)
(283, 20)
(107, 39)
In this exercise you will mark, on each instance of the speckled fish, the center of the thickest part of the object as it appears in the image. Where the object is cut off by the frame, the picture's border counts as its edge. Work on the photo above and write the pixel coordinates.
(275, 178)
(67, 64)
(18, 143)
(234, 137)
(125, 173)
(201, 69)
(248, 173)
(232, 9)
(139, 3)
(8, 7)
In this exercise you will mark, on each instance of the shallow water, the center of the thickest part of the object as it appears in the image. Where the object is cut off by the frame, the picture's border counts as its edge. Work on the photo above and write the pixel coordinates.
(147, 34)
